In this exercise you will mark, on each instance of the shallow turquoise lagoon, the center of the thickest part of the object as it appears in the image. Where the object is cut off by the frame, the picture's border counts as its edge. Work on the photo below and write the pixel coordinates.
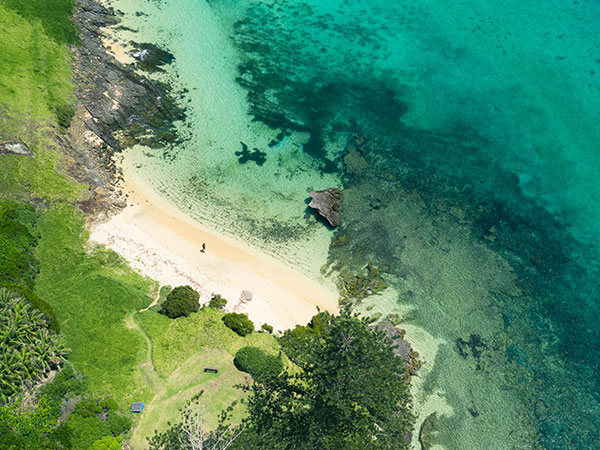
(466, 135)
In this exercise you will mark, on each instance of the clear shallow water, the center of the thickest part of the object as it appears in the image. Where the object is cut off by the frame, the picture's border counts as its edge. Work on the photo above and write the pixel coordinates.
(473, 183)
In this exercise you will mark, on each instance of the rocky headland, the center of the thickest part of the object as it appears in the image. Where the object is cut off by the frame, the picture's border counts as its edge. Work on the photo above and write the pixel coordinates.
(118, 105)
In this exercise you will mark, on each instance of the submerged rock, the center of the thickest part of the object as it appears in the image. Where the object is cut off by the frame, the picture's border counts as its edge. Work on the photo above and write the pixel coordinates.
(150, 57)
(328, 204)
(15, 148)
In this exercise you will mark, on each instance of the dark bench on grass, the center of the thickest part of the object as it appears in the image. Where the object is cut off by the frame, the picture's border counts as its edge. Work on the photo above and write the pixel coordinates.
(211, 370)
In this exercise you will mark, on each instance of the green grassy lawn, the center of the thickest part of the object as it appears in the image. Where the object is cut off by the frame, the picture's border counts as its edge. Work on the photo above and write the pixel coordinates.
(35, 71)
(92, 294)
(181, 349)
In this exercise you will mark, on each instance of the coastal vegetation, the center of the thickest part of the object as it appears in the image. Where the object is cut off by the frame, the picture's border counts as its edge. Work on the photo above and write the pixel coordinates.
(258, 364)
(180, 302)
(345, 389)
(217, 301)
(28, 348)
(239, 323)
(61, 414)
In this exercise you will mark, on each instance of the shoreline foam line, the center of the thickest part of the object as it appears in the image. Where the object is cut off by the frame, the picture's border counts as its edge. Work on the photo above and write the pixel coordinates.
(165, 244)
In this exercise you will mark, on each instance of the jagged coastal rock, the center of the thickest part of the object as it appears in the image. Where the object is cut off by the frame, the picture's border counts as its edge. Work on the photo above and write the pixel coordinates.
(402, 348)
(118, 105)
(328, 204)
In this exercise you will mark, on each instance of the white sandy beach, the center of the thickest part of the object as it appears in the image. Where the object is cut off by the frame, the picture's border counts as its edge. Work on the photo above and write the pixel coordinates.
(164, 244)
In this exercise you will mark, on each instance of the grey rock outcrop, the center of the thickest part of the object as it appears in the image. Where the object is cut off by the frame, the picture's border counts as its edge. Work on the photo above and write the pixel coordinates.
(328, 204)
(402, 347)
(15, 148)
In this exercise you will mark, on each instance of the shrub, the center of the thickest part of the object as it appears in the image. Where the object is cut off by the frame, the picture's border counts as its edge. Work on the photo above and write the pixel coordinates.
(107, 443)
(257, 363)
(268, 328)
(239, 323)
(217, 302)
(64, 115)
(118, 424)
(181, 301)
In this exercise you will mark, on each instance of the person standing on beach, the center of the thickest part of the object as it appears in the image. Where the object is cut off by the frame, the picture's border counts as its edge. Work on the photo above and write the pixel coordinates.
(203, 247)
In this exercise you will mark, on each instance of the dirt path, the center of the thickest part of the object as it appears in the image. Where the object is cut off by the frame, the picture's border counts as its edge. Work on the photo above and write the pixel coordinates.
(154, 302)
(154, 380)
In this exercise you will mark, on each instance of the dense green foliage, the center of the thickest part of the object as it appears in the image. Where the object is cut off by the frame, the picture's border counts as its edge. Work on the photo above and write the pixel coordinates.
(106, 443)
(36, 302)
(64, 115)
(65, 385)
(239, 323)
(257, 363)
(24, 426)
(266, 327)
(18, 237)
(216, 301)
(181, 301)
(349, 391)
(94, 419)
(54, 17)
(33, 423)
(28, 349)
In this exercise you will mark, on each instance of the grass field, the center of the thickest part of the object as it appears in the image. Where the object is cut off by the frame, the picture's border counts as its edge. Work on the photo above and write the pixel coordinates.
(180, 350)
(35, 71)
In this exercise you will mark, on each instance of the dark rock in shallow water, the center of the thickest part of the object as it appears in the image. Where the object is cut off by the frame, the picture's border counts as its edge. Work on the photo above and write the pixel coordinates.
(328, 203)
(150, 57)
(402, 347)
(427, 432)
(123, 107)
(15, 148)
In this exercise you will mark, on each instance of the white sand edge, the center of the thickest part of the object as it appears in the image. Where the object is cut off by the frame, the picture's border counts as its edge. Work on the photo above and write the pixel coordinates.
(163, 243)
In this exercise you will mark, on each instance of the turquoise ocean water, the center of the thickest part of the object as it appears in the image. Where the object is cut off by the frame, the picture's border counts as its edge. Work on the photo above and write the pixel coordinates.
(466, 136)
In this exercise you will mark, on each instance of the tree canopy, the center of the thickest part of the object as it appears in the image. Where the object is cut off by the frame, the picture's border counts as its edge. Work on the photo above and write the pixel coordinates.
(181, 301)
(239, 323)
(349, 391)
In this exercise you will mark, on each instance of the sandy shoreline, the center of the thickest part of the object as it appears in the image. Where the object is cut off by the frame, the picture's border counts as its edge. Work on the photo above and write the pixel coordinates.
(164, 244)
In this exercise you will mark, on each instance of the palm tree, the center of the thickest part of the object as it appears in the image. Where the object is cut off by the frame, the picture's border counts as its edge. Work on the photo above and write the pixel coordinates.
(28, 349)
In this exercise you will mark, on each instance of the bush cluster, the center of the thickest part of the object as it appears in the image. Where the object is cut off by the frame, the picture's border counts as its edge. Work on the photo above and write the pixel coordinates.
(217, 302)
(239, 323)
(268, 328)
(181, 301)
(257, 363)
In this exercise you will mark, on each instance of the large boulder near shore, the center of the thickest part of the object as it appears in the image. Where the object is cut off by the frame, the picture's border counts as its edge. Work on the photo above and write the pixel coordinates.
(402, 347)
(15, 148)
(328, 204)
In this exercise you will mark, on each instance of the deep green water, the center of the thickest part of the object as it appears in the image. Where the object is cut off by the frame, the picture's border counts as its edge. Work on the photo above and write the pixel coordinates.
(466, 136)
